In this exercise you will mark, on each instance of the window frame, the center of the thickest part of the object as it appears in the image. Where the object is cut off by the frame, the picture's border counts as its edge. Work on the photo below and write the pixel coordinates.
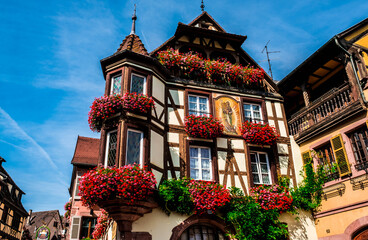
(107, 147)
(141, 147)
(77, 179)
(197, 102)
(112, 84)
(260, 102)
(259, 167)
(252, 118)
(364, 147)
(144, 82)
(200, 162)
(90, 229)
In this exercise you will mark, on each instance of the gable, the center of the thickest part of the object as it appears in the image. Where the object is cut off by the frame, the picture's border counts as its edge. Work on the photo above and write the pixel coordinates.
(206, 21)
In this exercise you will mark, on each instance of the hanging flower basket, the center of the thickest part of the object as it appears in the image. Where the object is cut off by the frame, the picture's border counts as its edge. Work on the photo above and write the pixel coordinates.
(107, 106)
(130, 183)
(257, 133)
(272, 197)
(67, 208)
(219, 72)
(203, 127)
(103, 222)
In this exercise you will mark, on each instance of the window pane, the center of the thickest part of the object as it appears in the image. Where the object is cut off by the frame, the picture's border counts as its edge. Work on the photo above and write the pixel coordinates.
(264, 168)
(205, 152)
(256, 178)
(137, 85)
(192, 99)
(254, 168)
(253, 158)
(193, 152)
(246, 107)
(256, 107)
(116, 85)
(206, 175)
(111, 154)
(134, 147)
(193, 106)
(194, 162)
(203, 100)
(205, 163)
(194, 173)
(265, 179)
(262, 158)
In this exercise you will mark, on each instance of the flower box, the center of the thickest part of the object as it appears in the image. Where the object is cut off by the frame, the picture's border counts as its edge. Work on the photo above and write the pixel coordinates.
(203, 127)
(219, 72)
(108, 106)
(259, 134)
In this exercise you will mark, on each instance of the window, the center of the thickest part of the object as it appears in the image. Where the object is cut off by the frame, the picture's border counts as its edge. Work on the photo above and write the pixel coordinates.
(326, 158)
(138, 84)
(16, 221)
(111, 142)
(198, 105)
(88, 225)
(134, 151)
(200, 163)
(260, 168)
(76, 191)
(202, 231)
(252, 113)
(359, 142)
(116, 85)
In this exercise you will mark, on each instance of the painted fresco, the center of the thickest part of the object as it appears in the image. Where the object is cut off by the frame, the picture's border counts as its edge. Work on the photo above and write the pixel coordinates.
(228, 112)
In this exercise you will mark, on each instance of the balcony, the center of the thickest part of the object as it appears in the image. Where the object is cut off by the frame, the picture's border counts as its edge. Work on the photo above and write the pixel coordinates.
(332, 107)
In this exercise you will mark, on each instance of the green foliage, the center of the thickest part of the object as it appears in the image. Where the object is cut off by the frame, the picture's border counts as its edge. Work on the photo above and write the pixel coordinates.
(250, 221)
(284, 181)
(175, 196)
(308, 196)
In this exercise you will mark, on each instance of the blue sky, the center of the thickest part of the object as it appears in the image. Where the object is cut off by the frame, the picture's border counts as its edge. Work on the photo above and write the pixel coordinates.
(50, 71)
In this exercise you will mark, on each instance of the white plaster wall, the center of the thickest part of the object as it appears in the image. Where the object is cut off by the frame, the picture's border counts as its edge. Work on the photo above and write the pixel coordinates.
(240, 159)
(173, 137)
(284, 164)
(221, 160)
(237, 144)
(282, 128)
(174, 152)
(278, 109)
(302, 228)
(221, 142)
(159, 110)
(158, 224)
(178, 97)
(158, 89)
(282, 148)
(269, 109)
(157, 149)
(297, 158)
(158, 176)
(172, 116)
(271, 123)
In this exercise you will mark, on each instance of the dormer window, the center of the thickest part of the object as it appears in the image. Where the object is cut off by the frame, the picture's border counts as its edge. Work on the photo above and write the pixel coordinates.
(138, 84)
(116, 84)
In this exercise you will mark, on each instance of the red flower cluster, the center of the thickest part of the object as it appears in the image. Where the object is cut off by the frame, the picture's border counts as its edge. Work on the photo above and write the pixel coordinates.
(67, 208)
(257, 133)
(129, 182)
(106, 106)
(207, 196)
(272, 197)
(203, 127)
(103, 222)
(221, 71)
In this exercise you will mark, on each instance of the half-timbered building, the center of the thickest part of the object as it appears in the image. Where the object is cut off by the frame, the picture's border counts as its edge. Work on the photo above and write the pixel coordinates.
(12, 212)
(158, 140)
(326, 109)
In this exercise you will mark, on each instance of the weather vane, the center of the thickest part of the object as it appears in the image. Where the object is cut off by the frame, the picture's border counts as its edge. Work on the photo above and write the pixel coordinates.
(202, 6)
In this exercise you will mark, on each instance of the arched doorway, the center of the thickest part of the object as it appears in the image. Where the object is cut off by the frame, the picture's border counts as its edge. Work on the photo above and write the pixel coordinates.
(361, 234)
(202, 231)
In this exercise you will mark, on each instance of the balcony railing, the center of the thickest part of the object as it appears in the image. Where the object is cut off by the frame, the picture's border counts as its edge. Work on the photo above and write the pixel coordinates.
(326, 106)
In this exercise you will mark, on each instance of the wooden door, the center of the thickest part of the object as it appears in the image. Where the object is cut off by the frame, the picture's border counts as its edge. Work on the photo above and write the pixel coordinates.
(362, 235)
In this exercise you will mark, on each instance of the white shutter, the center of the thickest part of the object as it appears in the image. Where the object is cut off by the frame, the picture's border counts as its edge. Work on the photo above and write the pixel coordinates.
(75, 229)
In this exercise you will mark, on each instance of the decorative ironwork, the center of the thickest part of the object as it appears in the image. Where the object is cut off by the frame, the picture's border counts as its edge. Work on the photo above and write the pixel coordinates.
(334, 190)
(332, 176)
(362, 166)
(360, 182)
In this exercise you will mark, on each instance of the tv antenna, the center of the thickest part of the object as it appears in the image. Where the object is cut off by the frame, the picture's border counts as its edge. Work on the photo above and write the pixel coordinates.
(268, 57)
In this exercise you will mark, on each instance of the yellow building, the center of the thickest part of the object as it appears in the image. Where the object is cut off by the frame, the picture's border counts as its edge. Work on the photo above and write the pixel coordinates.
(326, 107)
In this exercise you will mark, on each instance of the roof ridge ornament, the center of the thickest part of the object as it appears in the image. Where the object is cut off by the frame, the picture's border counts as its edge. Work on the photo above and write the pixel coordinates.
(134, 18)
(202, 6)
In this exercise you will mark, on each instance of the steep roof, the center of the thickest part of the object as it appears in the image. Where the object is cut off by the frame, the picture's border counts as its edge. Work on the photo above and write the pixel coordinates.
(86, 151)
(38, 219)
(133, 43)
(207, 18)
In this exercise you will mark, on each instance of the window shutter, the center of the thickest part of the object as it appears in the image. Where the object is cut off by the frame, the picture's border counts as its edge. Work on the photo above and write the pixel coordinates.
(306, 156)
(366, 122)
(340, 155)
(75, 228)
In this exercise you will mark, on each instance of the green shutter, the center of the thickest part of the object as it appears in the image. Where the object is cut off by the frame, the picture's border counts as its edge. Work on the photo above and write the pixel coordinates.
(340, 155)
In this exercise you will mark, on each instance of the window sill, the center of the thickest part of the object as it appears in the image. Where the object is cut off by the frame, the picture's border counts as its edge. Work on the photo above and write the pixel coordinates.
(256, 145)
(129, 114)
(200, 139)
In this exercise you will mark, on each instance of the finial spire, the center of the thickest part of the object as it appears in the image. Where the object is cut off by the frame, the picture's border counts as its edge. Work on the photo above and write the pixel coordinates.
(133, 18)
(202, 6)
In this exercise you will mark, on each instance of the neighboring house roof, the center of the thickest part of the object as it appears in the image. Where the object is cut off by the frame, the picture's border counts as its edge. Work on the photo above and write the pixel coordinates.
(133, 43)
(86, 151)
(44, 218)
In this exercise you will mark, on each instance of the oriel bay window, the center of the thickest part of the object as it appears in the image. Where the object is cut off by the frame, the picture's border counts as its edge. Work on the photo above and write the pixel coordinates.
(252, 112)
(138, 84)
(200, 163)
(116, 84)
(111, 143)
(260, 167)
(134, 147)
(198, 105)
